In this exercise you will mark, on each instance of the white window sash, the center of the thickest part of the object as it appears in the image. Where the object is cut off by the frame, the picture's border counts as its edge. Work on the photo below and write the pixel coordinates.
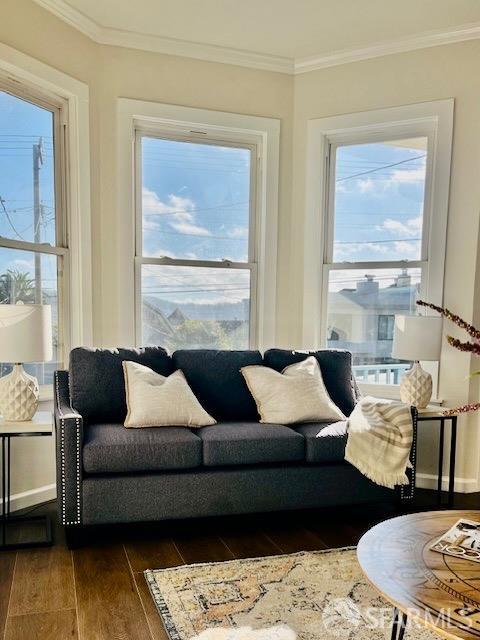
(218, 127)
(433, 120)
(141, 260)
(35, 81)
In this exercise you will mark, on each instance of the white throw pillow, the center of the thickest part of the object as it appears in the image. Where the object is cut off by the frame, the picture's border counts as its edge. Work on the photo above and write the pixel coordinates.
(298, 394)
(154, 400)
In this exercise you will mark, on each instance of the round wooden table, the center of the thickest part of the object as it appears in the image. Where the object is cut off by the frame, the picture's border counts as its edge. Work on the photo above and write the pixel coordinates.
(439, 591)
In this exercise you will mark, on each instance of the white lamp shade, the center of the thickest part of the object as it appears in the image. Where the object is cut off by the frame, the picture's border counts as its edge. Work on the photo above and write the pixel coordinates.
(417, 338)
(25, 333)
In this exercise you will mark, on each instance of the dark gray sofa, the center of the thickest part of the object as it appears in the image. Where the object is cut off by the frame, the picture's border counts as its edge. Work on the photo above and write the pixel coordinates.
(109, 474)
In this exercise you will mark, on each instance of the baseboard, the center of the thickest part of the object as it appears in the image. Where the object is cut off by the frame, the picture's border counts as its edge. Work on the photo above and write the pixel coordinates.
(462, 485)
(32, 497)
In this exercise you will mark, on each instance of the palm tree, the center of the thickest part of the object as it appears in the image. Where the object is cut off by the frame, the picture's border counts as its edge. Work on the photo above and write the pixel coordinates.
(16, 286)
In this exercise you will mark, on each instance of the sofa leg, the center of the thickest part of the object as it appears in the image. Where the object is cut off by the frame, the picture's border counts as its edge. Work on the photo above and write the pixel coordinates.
(74, 537)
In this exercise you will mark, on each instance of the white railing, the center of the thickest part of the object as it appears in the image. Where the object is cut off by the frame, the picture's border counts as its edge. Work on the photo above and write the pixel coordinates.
(380, 373)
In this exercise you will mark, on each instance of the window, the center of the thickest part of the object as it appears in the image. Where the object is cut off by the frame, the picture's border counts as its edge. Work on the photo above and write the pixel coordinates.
(32, 230)
(385, 327)
(379, 207)
(196, 250)
(377, 214)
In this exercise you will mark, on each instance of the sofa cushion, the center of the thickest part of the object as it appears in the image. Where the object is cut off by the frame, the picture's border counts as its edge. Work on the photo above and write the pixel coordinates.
(97, 385)
(329, 446)
(215, 378)
(110, 448)
(336, 367)
(239, 443)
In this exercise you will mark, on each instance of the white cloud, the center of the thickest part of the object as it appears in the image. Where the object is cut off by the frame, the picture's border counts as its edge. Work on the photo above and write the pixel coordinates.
(180, 212)
(202, 286)
(403, 247)
(238, 232)
(367, 185)
(20, 264)
(190, 229)
(408, 175)
(410, 228)
(343, 251)
(379, 184)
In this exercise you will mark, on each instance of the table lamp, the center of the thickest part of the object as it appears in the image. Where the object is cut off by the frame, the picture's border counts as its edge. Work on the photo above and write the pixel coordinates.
(25, 336)
(417, 338)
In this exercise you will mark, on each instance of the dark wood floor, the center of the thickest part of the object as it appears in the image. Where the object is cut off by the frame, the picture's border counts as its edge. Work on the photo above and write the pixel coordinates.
(98, 592)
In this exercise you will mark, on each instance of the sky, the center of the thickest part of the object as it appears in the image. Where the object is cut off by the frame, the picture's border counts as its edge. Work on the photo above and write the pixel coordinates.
(22, 124)
(195, 201)
(195, 204)
(379, 196)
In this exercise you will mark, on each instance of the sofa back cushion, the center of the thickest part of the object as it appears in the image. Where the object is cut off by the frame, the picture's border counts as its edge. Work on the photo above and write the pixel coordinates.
(97, 385)
(336, 367)
(215, 378)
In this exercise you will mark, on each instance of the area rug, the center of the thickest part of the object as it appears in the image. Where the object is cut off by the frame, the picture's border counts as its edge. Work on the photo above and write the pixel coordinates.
(314, 595)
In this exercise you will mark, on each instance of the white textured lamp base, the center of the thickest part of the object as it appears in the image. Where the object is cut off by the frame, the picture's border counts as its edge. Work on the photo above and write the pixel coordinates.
(416, 387)
(19, 395)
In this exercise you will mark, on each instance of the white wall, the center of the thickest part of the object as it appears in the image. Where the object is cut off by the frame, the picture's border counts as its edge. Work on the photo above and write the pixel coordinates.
(428, 74)
(112, 72)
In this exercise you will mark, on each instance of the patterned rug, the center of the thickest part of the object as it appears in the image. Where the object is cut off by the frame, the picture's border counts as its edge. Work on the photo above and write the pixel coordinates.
(314, 595)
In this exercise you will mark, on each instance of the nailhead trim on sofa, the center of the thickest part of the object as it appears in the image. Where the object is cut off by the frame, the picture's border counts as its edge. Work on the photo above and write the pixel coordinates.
(63, 417)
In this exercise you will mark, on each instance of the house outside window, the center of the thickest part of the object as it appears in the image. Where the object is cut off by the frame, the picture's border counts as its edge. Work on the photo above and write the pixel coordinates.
(385, 327)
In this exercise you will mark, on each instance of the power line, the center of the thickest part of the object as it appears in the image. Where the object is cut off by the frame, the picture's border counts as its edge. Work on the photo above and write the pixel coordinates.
(377, 241)
(386, 166)
(197, 235)
(2, 202)
(195, 210)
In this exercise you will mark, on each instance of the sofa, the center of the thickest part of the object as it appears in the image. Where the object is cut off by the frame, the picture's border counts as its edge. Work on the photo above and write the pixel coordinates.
(109, 474)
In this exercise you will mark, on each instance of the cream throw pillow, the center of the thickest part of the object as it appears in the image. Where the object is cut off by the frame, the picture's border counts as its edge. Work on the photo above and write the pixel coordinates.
(154, 400)
(298, 394)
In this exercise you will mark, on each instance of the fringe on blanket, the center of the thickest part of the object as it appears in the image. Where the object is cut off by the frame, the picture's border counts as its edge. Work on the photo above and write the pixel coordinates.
(384, 479)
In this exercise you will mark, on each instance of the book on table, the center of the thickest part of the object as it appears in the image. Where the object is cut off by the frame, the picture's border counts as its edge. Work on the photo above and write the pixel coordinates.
(461, 541)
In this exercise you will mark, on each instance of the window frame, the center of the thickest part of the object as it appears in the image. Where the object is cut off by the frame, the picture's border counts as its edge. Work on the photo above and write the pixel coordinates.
(140, 259)
(29, 77)
(57, 107)
(433, 120)
(203, 126)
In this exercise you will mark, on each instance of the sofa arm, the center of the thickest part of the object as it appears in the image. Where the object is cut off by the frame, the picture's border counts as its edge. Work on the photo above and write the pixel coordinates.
(69, 441)
(407, 493)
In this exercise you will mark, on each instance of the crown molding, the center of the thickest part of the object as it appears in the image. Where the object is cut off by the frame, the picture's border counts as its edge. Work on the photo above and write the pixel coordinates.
(73, 17)
(161, 44)
(402, 45)
(197, 50)
(252, 59)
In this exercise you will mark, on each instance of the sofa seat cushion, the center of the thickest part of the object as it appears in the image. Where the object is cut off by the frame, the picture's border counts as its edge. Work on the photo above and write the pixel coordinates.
(240, 443)
(324, 442)
(110, 448)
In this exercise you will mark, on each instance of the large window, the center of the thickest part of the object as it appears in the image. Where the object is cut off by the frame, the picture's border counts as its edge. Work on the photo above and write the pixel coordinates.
(196, 262)
(32, 231)
(378, 226)
(382, 203)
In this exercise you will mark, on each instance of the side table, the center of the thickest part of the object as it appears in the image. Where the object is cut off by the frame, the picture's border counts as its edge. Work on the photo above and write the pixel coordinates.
(40, 425)
(433, 413)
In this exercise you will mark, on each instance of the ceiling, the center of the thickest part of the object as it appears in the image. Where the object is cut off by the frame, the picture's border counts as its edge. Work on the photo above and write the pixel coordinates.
(265, 33)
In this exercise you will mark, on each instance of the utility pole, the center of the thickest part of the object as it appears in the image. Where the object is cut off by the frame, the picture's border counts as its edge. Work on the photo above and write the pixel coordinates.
(37, 215)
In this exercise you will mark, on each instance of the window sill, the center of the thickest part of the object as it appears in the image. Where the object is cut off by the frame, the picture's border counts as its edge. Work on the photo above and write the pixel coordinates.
(46, 392)
(388, 391)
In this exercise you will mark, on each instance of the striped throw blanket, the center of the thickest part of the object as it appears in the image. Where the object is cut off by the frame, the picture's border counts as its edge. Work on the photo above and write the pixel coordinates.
(380, 434)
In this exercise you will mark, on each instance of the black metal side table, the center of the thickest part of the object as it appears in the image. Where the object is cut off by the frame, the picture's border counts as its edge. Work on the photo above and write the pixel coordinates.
(431, 414)
(10, 526)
